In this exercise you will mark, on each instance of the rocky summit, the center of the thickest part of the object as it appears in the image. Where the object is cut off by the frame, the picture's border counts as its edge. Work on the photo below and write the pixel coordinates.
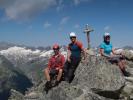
(95, 79)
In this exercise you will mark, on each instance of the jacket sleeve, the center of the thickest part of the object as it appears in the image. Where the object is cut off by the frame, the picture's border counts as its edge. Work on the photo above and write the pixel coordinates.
(80, 45)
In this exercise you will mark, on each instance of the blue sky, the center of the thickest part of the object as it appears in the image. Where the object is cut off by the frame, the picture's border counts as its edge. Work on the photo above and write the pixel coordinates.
(45, 22)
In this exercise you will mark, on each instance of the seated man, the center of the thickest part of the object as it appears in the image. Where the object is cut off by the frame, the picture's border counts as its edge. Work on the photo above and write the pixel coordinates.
(56, 62)
(106, 49)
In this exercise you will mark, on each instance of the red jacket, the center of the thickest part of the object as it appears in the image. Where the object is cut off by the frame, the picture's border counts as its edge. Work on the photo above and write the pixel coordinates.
(56, 61)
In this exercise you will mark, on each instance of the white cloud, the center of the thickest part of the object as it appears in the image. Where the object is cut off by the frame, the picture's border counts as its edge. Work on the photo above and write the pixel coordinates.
(60, 5)
(25, 9)
(77, 2)
(64, 20)
(47, 24)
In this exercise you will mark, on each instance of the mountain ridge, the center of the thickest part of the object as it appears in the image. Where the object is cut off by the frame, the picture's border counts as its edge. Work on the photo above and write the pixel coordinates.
(11, 78)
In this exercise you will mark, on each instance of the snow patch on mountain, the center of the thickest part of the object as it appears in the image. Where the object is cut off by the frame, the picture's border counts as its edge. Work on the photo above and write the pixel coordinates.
(22, 51)
(19, 51)
(50, 52)
(131, 51)
(46, 53)
(23, 55)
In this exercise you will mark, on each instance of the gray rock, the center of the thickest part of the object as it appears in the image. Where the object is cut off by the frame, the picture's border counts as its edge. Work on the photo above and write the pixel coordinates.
(15, 95)
(34, 96)
(128, 54)
(129, 79)
(98, 73)
(90, 52)
(130, 64)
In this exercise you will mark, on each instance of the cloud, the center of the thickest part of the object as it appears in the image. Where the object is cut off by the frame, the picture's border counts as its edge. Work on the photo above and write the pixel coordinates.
(60, 5)
(64, 20)
(25, 9)
(5, 3)
(47, 24)
(77, 2)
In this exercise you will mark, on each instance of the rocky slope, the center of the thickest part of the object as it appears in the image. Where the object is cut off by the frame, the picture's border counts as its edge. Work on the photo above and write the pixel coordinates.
(95, 79)
(11, 78)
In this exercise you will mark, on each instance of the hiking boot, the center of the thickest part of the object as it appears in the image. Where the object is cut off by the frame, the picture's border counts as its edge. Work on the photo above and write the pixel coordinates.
(47, 86)
(125, 73)
(56, 83)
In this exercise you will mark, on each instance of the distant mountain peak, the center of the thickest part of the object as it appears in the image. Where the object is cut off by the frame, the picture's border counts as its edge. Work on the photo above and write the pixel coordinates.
(128, 47)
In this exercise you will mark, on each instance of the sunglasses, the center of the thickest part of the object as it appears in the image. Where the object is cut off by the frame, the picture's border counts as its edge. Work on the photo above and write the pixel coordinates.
(56, 49)
(72, 37)
(107, 37)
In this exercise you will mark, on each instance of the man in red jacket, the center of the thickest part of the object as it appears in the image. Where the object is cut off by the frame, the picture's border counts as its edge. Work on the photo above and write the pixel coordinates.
(56, 62)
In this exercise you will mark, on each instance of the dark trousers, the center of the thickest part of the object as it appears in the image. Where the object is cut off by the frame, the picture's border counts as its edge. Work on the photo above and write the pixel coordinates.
(70, 67)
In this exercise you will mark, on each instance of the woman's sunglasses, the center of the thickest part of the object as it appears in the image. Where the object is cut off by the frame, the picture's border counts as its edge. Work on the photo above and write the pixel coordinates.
(107, 37)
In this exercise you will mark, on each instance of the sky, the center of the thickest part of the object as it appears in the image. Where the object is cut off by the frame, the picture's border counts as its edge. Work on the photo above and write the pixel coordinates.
(45, 22)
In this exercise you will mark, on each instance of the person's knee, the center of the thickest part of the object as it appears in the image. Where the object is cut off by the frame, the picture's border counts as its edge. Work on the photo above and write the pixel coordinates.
(123, 61)
(119, 63)
(60, 71)
(46, 70)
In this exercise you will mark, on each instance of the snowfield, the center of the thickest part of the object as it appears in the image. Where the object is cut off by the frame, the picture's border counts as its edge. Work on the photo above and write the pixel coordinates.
(21, 53)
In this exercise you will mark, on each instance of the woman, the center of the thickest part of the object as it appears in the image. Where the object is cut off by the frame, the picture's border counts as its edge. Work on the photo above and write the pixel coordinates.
(107, 50)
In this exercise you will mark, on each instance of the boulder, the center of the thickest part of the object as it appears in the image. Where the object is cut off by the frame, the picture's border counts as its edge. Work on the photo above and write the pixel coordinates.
(128, 54)
(15, 95)
(98, 73)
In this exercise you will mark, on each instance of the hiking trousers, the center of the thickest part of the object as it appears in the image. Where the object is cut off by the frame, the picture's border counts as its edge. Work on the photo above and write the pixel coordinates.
(70, 67)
